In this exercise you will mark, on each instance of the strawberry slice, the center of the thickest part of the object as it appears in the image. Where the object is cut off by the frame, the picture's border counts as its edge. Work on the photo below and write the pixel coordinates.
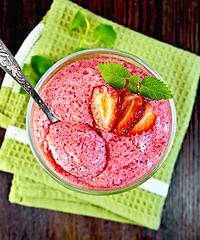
(131, 109)
(146, 122)
(105, 103)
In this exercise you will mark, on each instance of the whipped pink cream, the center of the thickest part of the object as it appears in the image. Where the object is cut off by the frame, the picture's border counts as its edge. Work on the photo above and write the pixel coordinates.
(78, 152)
(77, 148)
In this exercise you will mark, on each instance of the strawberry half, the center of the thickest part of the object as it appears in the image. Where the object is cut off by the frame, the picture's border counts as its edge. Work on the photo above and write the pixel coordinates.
(105, 103)
(146, 122)
(131, 108)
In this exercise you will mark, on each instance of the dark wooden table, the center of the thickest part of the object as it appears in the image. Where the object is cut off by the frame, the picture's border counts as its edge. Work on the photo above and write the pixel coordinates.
(172, 21)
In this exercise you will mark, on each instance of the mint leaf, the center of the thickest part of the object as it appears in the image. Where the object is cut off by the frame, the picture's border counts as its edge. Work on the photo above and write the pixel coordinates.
(133, 83)
(34, 71)
(105, 34)
(32, 82)
(134, 79)
(114, 74)
(78, 21)
(154, 89)
(30, 74)
(28, 70)
(132, 87)
(25, 68)
(22, 90)
(40, 65)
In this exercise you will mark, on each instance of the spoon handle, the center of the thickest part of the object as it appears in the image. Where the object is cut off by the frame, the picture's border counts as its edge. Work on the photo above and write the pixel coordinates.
(9, 64)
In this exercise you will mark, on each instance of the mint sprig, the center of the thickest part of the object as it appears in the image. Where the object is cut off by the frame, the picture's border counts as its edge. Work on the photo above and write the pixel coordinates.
(150, 87)
(34, 71)
(103, 33)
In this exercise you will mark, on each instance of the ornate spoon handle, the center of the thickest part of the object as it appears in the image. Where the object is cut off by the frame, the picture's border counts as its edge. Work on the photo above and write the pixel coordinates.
(9, 64)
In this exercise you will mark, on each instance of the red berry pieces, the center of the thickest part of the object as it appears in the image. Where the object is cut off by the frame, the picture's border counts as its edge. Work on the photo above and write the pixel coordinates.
(131, 109)
(105, 103)
(146, 122)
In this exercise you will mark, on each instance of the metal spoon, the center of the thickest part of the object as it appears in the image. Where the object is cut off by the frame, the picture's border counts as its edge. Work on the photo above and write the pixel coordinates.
(9, 64)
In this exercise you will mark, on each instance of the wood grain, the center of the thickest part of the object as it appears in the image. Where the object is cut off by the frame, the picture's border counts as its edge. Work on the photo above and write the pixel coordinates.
(172, 21)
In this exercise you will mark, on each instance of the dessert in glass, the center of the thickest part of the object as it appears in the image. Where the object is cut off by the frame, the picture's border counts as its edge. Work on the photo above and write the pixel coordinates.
(107, 140)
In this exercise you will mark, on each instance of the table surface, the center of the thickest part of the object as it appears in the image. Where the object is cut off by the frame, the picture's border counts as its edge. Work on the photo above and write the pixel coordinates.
(176, 22)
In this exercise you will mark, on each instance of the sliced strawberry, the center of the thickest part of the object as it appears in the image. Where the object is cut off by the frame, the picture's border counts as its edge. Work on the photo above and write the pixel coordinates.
(105, 103)
(146, 122)
(131, 108)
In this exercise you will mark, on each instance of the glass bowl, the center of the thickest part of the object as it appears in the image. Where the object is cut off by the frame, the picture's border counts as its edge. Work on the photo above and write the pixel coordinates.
(88, 54)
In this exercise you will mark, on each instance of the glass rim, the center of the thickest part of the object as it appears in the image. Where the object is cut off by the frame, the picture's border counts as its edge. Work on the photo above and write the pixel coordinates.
(100, 192)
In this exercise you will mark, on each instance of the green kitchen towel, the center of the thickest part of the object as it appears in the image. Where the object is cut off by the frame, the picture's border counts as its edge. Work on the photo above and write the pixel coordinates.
(31, 186)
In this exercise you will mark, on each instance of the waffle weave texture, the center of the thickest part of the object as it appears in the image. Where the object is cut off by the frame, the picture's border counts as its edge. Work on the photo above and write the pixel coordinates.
(31, 186)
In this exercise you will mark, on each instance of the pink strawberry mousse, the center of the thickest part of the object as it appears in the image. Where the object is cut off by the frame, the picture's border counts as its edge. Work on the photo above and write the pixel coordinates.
(79, 153)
